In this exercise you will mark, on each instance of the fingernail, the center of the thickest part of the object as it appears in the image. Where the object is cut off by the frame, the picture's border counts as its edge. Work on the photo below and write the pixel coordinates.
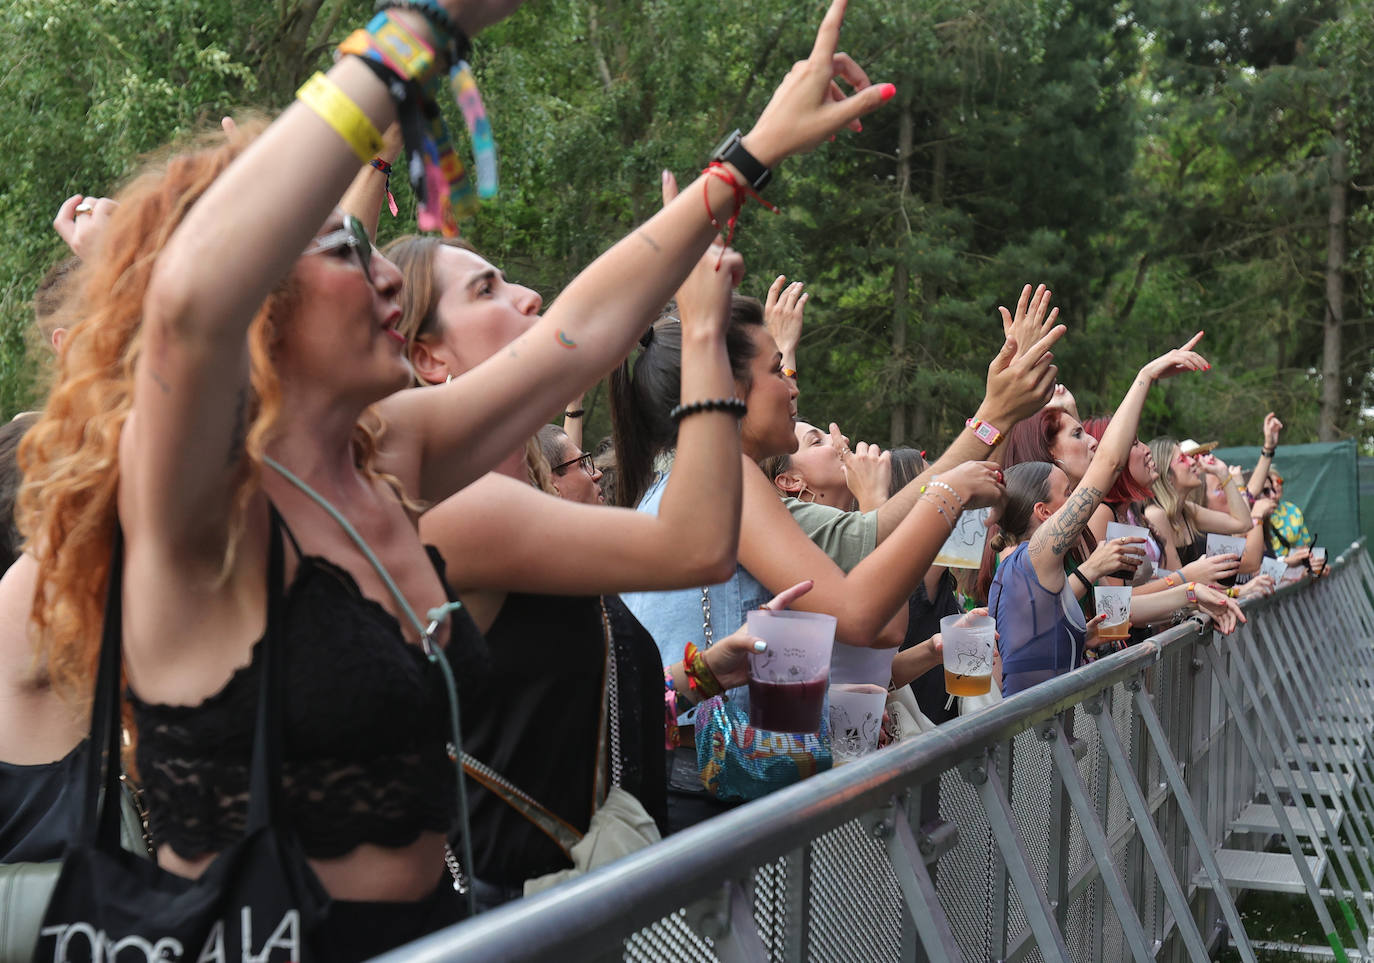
(858, 127)
(665, 175)
(760, 645)
(885, 91)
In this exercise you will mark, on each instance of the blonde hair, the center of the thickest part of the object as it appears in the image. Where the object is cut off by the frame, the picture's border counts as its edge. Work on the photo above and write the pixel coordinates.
(70, 458)
(1169, 498)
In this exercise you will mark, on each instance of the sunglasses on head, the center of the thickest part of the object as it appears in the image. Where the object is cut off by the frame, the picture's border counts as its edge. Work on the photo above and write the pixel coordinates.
(352, 236)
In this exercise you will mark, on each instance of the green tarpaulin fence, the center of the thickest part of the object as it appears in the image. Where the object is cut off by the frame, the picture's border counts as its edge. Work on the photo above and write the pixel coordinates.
(1327, 481)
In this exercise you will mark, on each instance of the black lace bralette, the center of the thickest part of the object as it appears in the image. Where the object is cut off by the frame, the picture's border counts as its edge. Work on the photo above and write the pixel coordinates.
(366, 725)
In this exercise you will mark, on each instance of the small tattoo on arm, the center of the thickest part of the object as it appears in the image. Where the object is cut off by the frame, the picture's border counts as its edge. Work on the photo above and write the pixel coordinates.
(566, 341)
(158, 380)
(1067, 525)
(649, 241)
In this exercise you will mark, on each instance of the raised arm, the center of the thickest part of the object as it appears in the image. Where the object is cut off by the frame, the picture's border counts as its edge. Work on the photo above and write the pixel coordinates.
(464, 427)
(1236, 519)
(499, 533)
(777, 553)
(1019, 383)
(1062, 530)
(1272, 427)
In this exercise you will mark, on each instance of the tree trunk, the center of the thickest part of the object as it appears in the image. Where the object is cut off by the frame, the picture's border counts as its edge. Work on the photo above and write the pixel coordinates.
(1332, 385)
(901, 281)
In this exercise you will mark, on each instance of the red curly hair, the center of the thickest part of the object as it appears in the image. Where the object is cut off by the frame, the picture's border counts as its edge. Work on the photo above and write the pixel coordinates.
(66, 508)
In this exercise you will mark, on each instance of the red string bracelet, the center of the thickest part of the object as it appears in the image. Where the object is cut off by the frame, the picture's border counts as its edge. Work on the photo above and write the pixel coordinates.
(385, 170)
(742, 193)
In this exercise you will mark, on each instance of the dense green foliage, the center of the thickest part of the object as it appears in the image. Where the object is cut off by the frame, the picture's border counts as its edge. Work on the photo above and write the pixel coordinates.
(1163, 165)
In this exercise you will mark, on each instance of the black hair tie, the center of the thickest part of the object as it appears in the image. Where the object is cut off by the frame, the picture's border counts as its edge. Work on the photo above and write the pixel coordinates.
(646, 337)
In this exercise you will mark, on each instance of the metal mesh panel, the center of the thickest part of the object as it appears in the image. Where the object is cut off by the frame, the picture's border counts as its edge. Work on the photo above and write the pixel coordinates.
(1032, 797)
(770, 906)
(851, 879)
(1078, 928)
(967, 874)
(670, 940)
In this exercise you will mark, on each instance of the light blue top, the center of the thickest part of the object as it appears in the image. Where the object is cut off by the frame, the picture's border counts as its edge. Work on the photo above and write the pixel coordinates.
(674, 618)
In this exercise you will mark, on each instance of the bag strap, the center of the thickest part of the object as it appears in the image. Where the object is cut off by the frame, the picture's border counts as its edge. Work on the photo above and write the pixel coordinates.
(437, 616)
(100, 802)
(564, 834)
(264, 779)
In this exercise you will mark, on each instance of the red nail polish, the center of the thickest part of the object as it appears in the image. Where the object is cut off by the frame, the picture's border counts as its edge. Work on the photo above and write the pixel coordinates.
(859, 128)
(887, 90)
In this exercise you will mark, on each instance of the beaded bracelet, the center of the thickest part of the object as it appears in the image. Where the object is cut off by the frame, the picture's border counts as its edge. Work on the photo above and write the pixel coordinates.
(576, 413)
(338, 110)
(735, 406)
(949, 488)
(700, 678)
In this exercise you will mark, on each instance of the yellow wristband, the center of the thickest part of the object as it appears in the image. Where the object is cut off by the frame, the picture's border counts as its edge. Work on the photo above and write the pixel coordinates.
(338, 110)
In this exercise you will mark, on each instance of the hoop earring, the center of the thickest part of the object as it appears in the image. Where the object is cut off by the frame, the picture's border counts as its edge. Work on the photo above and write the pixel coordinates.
(449, 378)
(801, 495)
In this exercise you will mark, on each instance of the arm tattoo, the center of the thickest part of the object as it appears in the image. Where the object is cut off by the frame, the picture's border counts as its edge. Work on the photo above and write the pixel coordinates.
(160, 381)
(239, 436)
(649, 241)
(1067, 525)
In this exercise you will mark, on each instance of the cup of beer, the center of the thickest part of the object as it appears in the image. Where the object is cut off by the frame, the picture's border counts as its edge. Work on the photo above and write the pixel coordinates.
(968, 643)
(1113, 601)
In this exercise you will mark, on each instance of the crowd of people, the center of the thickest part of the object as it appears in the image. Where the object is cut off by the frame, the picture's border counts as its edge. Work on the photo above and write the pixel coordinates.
(267, 446)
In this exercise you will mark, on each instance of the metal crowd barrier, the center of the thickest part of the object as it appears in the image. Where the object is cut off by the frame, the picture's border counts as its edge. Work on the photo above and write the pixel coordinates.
(1104, 815)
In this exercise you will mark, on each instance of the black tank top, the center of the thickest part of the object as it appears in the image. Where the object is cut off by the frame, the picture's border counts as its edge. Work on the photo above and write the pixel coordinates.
(367, 721)
(536, 724)
(40, 808)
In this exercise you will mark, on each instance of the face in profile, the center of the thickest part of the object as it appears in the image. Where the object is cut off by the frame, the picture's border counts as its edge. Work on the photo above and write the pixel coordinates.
(1072, 448)
(576, 477)
(767, 429)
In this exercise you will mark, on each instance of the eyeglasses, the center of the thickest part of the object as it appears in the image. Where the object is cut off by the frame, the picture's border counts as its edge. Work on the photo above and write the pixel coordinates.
(352, 236)
(584, 459)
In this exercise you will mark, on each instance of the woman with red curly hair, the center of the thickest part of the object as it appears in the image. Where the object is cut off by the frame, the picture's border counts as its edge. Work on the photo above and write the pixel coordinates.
(237, 331)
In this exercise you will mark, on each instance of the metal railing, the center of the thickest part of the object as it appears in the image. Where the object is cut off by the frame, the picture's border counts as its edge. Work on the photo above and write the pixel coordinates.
(1093, 817)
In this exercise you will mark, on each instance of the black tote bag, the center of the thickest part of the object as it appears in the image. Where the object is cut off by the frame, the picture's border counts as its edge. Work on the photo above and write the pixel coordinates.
(258, 900)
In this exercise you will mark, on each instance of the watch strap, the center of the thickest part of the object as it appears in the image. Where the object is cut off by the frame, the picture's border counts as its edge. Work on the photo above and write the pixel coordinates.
(732, 151)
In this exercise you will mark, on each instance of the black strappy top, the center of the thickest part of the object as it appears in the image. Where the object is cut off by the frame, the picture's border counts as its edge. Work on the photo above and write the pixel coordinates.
(366, 719)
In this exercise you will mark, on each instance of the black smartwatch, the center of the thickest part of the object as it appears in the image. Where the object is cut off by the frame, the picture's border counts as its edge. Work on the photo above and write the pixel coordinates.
(731, 151)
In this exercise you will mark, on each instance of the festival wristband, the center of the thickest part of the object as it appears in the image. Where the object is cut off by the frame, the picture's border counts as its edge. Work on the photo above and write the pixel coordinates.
(1190, 592)
(338, 110)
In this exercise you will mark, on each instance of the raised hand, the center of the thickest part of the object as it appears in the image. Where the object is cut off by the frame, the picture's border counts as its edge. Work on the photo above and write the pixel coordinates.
(1030, 323)
(1177, 361)
(1021, 382)
(782, 314)
(808, 106)
(81, 220)
(1272, 427)
(868, 473)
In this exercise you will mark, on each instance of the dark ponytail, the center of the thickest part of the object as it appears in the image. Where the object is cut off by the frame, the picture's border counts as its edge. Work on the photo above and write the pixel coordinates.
(643, 394)
(1027, 485)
